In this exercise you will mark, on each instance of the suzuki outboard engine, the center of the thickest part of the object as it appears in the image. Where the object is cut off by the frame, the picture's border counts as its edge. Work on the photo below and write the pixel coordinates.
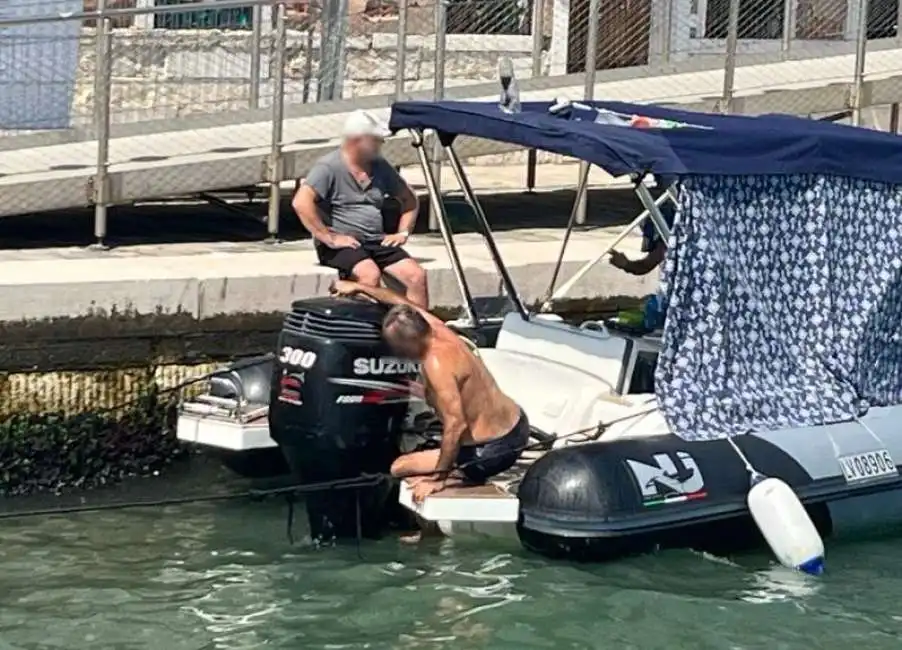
(337, 406)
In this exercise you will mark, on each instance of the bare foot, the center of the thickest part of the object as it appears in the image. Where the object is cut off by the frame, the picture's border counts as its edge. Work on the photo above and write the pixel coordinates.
(411, 538)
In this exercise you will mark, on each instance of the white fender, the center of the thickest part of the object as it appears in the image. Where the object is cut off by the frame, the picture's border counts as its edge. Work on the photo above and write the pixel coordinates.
(786, 526)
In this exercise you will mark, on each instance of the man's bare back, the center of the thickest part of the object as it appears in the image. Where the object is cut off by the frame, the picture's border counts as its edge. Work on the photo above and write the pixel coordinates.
(483, 430)
(488, 413)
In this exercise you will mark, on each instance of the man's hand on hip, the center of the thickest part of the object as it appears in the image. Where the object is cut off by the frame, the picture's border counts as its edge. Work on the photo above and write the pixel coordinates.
(396, 240)
(342, 241)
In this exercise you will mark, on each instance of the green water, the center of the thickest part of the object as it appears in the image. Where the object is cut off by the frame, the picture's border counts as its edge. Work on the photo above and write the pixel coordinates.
(223, 576)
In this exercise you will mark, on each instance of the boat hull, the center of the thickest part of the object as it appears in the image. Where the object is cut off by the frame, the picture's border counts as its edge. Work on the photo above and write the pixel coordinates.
(609, 499)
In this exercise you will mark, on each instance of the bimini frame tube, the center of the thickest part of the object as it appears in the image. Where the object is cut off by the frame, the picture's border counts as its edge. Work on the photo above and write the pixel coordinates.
(564, 289)
(654, 212)
(438, 208)
(470, 198)
(581, 189)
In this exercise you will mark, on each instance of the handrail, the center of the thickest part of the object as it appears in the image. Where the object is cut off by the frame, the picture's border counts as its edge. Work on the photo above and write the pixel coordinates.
(99, 14)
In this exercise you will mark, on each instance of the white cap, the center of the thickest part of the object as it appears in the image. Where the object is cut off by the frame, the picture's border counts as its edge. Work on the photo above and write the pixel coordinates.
(361, 123)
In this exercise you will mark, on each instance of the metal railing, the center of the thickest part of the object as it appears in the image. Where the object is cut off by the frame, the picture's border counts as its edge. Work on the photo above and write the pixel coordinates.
(89, 68)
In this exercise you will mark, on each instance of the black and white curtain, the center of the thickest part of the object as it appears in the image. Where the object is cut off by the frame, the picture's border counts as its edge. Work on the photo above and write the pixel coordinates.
(784, 303)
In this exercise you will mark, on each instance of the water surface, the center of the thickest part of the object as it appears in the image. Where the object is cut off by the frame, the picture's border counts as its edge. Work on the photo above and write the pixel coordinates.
(224, 576)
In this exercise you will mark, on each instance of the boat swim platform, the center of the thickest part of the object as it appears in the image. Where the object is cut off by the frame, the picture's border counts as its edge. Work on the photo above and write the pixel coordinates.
(494, 502)
(154, 160)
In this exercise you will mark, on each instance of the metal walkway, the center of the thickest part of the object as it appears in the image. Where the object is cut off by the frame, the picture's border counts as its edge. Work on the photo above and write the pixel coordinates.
(50, 171)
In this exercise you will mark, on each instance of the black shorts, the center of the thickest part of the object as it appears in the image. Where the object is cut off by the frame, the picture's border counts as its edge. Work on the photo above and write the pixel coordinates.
(345, 259)
(478, 463)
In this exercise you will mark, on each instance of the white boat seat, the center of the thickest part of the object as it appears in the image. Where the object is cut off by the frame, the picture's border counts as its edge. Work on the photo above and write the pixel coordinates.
(557, 398)
(593, 352)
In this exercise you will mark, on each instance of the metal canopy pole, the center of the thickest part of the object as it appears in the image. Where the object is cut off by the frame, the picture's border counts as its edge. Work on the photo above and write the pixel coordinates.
(585, 268)
(574, 212)
(729, 68)
(591, 64)
(789, 25)
(471, 199)
(256, 55)
(667, 32)
(538, 41)
(654, 212)
(438, 93)
(401, 74)
(438, 210)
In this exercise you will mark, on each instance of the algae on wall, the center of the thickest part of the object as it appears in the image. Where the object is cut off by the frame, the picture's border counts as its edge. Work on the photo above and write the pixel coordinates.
(63, 430)
(70, 392)
(62, 427)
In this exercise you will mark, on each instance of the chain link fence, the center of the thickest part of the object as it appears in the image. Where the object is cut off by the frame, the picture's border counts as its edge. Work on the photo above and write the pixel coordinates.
(105, 102)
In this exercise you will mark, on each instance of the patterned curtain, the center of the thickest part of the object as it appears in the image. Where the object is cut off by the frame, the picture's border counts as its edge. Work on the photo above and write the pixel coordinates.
(784, 303)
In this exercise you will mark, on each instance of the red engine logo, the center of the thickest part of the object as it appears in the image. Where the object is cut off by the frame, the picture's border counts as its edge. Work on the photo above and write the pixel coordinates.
(379, 392)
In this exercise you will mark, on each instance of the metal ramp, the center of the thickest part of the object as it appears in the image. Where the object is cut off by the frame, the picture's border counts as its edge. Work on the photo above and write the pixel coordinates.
(52, 171)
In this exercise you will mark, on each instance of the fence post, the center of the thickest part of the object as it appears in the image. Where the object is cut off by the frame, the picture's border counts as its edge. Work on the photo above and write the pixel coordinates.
(333, 37)
(438, 93)
(538, 42)
(789, 25)
(401, 74)
(729, 68)
(256, 55)
(278, 106)
(591, 62)
(667, 33)
(861, 48)
(102, 81)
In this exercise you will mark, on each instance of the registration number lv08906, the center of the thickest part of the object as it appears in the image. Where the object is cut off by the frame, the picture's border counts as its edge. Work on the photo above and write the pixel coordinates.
(868, 465)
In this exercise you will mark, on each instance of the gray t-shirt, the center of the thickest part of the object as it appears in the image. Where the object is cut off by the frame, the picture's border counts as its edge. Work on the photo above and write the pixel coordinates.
(349, 207)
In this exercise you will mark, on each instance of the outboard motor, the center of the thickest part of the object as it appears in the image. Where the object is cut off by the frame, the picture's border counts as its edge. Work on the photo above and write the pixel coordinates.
(337, 406)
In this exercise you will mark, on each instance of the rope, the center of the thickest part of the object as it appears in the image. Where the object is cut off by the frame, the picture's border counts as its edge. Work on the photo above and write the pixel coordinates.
(290, 491)
(355, 483)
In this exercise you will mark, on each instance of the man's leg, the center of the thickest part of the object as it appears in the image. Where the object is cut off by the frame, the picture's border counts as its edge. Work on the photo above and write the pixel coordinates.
(351, 263)
(415, 464)
(413, 276)
(367, 273)
(413, 467)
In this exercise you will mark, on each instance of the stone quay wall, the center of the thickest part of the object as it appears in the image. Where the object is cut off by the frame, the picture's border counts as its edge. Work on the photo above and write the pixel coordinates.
(166, 74)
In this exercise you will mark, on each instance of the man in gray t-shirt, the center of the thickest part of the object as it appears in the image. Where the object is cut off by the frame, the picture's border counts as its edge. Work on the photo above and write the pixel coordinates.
(340, 202)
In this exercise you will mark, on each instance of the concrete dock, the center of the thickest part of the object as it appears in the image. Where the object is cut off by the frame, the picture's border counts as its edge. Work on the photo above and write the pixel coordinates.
(190, 282)
(200, 262)
(205, 280)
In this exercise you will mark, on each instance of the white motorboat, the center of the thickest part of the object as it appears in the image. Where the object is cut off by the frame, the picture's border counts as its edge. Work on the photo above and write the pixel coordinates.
(763, 362)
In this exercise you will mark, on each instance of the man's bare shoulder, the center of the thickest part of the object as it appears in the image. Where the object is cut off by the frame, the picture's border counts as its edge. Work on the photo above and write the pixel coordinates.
(449, 355)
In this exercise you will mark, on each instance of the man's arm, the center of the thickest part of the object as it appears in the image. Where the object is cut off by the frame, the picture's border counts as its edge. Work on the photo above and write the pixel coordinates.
(410, 206)
(448, 405)
(311, 191)
(641, 266)
(389, 297)
(305, 206)
(650, 262)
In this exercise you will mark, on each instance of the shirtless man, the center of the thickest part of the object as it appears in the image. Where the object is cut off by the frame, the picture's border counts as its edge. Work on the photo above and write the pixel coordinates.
(483, 430)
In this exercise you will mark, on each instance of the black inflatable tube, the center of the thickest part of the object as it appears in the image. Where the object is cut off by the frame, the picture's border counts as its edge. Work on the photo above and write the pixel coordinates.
(817, 493)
